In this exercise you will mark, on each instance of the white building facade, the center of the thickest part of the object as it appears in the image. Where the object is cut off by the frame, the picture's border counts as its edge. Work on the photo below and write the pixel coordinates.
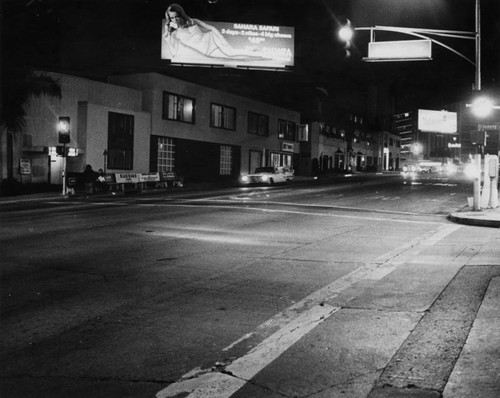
(144, 123)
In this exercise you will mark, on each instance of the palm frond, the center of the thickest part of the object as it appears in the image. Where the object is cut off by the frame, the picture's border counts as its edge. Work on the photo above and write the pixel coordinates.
(18, 85)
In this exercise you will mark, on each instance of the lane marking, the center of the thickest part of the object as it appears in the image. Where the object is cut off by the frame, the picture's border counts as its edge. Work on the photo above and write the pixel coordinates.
(238, 373)
(292, 324)
(333, 207)
(303, 212)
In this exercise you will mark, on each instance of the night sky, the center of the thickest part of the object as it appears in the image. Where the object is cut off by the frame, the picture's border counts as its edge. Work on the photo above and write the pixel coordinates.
(95, 38)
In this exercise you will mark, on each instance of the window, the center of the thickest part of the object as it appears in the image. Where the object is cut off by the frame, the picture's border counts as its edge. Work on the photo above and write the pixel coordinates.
(120, 141)
(286, 130)
(166, 154)
(275, 159)
(177, 107)
(258, 124)
(226, 160)
(223, 117)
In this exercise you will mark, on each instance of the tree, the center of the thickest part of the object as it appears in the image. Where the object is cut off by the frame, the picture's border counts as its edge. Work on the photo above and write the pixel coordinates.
(18, 85)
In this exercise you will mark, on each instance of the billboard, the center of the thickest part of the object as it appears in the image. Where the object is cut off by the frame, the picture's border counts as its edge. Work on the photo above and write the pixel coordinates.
(437, 121)
(188, 40)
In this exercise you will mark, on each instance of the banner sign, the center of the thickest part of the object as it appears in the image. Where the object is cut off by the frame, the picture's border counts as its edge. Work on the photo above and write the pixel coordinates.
(228, 44)
(151, 177)
(123, 178)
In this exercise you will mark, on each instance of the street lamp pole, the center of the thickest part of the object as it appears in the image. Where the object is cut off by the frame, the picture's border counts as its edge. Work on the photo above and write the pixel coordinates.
(478, 46)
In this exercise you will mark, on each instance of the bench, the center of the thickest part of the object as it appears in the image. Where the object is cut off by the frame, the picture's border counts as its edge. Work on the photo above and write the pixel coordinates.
(124, 182)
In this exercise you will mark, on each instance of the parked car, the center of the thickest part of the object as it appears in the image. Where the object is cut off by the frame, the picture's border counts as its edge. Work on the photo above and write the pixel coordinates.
(267, 175)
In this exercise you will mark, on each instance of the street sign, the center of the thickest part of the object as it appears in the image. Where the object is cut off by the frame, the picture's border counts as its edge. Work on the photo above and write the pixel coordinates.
(401, 50)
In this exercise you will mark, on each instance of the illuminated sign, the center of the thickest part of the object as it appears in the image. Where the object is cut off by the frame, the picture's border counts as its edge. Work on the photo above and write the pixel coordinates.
(402, 50)
(437, 121)
(228, 44)
(488, 126)
(454, 145)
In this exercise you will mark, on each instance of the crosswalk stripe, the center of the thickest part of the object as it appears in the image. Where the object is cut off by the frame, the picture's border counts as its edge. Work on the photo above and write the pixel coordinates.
(225, 384)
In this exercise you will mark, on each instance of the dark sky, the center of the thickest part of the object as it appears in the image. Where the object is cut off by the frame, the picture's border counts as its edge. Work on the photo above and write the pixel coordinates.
(99, 37)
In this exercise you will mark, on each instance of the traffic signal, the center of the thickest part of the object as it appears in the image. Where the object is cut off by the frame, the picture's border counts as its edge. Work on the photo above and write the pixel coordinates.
(478, 137)
(346, 33)
(60, 150)
(63, 128)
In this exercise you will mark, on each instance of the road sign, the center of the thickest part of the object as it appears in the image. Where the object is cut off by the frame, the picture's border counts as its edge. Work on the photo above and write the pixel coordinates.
(400, 50)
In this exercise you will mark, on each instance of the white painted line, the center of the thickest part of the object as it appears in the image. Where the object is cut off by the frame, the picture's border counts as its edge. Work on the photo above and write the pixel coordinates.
(300, 212)
(333, 207)
(236, 375)
(242, 338)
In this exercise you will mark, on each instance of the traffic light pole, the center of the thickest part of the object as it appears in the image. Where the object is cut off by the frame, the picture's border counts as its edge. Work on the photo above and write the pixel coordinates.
(64, 170)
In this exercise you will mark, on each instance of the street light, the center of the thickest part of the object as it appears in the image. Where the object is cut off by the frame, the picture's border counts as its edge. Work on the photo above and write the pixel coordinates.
(482, 106)
(416, 50)
(393, 51)
(346, 33)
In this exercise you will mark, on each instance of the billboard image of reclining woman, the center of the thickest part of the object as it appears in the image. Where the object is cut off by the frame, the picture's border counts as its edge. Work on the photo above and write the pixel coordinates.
(187, 40)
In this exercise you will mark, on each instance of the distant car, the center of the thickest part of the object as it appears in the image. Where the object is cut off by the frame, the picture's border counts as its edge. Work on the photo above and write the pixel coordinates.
(267, 175)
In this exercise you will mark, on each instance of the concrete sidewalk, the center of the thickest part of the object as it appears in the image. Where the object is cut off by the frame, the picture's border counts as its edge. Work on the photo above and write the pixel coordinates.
(482, 218)
(477, 371)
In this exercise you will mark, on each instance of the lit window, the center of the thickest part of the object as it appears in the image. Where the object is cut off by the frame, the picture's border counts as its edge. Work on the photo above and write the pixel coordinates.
(286, 129)
(178, 107)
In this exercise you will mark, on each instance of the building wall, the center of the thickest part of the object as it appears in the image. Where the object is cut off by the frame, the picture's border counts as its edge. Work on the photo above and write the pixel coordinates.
(342, 150)
(87, 103)
(153, 85)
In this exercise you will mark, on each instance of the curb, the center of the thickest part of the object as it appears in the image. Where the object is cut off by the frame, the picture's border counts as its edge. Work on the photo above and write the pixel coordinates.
(474, 220)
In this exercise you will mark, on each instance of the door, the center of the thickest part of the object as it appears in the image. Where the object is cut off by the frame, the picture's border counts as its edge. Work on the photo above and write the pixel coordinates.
(254, 161)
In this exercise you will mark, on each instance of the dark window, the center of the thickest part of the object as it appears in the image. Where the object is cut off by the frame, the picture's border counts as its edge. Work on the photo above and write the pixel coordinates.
(286, 130)
(178, 107)
(223, 117)
(258, 124)
(120, 141)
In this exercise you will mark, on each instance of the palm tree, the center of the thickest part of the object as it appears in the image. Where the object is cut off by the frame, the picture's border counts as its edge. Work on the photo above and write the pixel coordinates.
(18, 85)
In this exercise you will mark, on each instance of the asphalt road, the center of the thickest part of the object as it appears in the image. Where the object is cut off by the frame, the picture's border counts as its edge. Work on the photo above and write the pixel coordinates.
(124, 295)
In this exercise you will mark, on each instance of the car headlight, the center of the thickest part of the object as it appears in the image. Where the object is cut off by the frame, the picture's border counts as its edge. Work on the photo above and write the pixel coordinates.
(264, 178)
(244, 178)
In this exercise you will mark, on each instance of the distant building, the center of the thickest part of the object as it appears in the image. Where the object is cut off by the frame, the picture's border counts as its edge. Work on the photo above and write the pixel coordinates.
(344, 149)
(147, 123)
(473, 135)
